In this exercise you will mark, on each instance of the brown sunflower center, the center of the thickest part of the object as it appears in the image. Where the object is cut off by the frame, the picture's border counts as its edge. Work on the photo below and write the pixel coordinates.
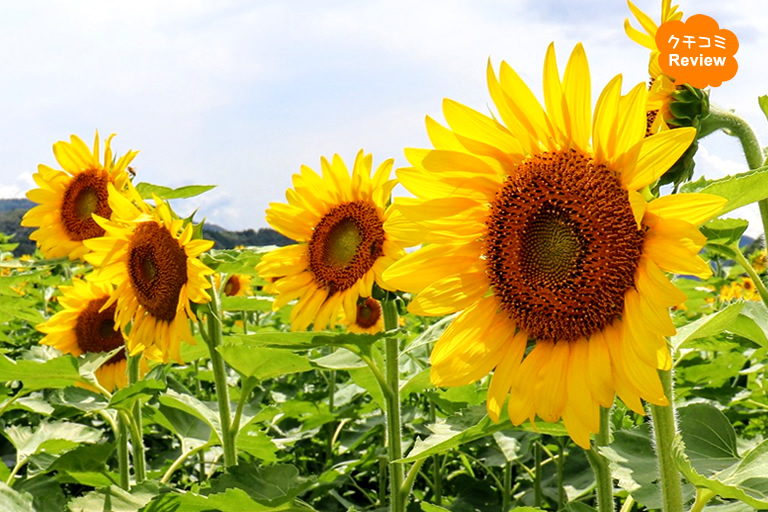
(562, 246)
(345, 244)
(157, 267)
(232, 286)
(368, 313)
(95, 330)
(85, 195)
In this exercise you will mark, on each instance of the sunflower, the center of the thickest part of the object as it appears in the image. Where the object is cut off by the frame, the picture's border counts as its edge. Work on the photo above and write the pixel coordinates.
(84, 326)
(343, 247)
(648, 39)
(368, 317)
(152, 259)
(542, 230)
(67, 199)
(237, 285)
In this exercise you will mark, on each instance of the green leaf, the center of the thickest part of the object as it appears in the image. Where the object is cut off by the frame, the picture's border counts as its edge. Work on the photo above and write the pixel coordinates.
(576, 506)
(246, 304)
(46, 492)
(127, 397)
(115, 499)
(745, 481)
(231, 500)
(146, 190)
(763, 102)
(468, 426)
(272, 485)
(724, 231)
(307, 340)
(340, 360)
(710, 441)
(79, 398)
(634, 465)
(260, 362)
(255, 442)
(14, 501)
(705, 326)
(50, 437)
(54, 373)
(752, 323)
(428, 507)
(191, 430)
(740, 189)
(194, 407)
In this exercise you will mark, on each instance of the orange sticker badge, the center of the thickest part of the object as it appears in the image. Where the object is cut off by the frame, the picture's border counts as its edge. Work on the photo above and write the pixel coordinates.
(697, 51)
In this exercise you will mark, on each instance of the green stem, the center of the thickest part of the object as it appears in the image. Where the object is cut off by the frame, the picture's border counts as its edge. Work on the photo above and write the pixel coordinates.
(122, 453)
(537, 493)
(703, 496)
(507, 496)
(560, 473)
(664, 431)
(213, 340)
(137, 439)
(600, 464)
(180, 460)
(741, 260)
(405, 490)
(394, 426)
(753, 152)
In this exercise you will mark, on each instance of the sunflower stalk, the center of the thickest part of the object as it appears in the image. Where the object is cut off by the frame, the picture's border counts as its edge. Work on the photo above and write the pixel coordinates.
(753, 153)
(600, 464)
(214, 340)
(394, 426)
(664, 432)
(136, 424)
(122, 453)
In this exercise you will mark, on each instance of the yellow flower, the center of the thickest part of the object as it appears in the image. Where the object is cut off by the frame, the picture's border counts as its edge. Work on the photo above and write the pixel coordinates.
(760, 261)
(67, 199)
(368, 317)
(538, 229)
(152, 259)
(648, 39)
(237, 285)
(343, 247)
(84, 327)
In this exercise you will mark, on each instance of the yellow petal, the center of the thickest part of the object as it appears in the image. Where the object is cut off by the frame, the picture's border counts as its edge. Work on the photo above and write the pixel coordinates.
(659, 152)
(578, 96)
(693, 208)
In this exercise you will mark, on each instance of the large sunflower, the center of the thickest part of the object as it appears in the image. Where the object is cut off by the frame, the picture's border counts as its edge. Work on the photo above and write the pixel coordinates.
(368, 317)
(152, 259)
(67, 199)
(84, 326)
(343, 247)
(540, 229)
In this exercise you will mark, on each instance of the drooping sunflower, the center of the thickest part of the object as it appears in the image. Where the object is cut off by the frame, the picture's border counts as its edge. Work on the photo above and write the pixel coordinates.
(83, 326)
(67, 199)
(368, 317)
(540, 229)
(152, 259)
(343, 247)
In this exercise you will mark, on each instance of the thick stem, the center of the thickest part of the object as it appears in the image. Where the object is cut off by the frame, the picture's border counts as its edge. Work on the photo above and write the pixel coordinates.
(664, 431)
(600, 464)
(394, 426)
(228, 430)
(560, 473)
(122, 453)
(538, 496)
(507, 496)
(753, 152)
(137, 426)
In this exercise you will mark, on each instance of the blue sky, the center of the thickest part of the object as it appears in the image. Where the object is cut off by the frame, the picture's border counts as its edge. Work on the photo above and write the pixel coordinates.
(241, 93)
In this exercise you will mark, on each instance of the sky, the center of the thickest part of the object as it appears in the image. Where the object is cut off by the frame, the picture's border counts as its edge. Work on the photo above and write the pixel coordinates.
(240, 93)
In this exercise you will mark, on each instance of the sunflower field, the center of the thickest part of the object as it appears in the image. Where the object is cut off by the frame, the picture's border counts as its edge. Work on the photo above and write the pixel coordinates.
(547, 314)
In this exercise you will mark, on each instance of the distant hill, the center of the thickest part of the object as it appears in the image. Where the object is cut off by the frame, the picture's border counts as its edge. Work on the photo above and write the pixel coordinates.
(12, 210)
